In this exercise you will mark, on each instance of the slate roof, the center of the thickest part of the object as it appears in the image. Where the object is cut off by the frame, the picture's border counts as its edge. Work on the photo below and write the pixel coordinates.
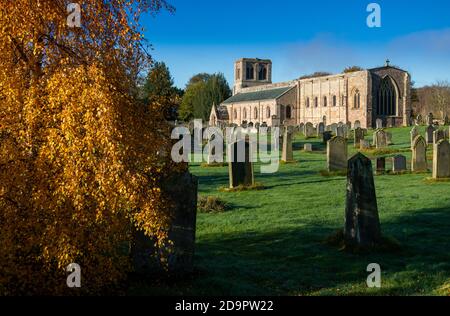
(258, 95)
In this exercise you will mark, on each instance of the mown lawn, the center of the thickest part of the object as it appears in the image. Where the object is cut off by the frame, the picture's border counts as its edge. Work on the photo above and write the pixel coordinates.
(271, 242)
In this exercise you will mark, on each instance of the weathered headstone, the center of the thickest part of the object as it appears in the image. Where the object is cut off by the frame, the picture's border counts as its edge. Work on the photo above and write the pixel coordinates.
(438, 135)
(307, 147)
(337, 154)
(379, 139)
(364, 144)
(358, 136)
(286, 154)
(340, 131)
(429, 134)
(181, 189)
(357, 124)
(389, 138)
(240, 169)
(414, 132)
(419, 154)
(381, 165)
(320, 129)
(379, 124)
(309, 130)
(334, 128)
(362, 223)
(327, 135)
(441, 160)
(398, 163)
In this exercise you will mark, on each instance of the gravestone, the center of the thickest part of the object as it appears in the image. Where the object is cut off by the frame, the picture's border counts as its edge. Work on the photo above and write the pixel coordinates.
(381, 165)
(362, 223)
(320, 129)
(309, 130)
(419, 154)
(430, 119)
(340, 131)
(379, 124)
(240, 169)
(357, 124)
(398, 163)
(429, 134)
(337, 154)
(326, 136)
(379, 139)
(413, 133)
(438, 135)
(333, 128)
(389, 138)
(441, 160)
(181, 190)
(364, 144)
(286, 154)
(358, 136)
(308, 147)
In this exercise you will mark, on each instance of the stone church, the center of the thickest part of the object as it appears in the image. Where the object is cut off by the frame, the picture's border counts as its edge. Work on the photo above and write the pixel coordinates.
(359, 97)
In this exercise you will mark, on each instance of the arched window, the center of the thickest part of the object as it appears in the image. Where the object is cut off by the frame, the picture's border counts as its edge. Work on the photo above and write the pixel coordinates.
(387, 98)
(255, 113)
(334, 100)
(249, 72)
(235, 114)
(288, 112)
(307, 102)
(316, 102)
(357, 100)
(268, 112)
(325, 101)
(262, 74)
(245, 113)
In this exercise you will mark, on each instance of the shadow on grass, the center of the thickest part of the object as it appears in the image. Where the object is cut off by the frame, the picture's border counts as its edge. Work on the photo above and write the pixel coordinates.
(297, 261)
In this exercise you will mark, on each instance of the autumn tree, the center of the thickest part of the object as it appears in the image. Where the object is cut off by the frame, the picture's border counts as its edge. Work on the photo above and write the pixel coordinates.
(81, 160)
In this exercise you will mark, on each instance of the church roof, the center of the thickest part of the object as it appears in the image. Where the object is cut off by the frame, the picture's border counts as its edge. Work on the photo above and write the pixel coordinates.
(258, 95)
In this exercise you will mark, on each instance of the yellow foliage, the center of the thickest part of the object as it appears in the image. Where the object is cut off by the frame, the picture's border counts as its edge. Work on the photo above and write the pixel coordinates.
(81, 161)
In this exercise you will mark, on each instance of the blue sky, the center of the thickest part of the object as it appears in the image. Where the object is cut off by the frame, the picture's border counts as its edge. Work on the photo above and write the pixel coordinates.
(302, 36)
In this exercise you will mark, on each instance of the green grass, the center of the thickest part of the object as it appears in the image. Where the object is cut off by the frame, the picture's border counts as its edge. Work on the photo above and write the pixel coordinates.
(272, 242)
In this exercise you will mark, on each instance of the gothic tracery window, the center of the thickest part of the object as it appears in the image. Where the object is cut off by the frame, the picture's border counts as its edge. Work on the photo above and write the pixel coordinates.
(387, 98)
(357, 100)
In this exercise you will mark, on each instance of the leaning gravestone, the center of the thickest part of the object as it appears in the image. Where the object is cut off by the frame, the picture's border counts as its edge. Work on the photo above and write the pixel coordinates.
(358, 136)
(398, 163)
(414, 132)
(337, 154)
(429, 134)
(309, 130)
(419, 154)
(379, 123)
(240, 168)
(181, 190)
(308, 148)
(441, 160)
(286, 154)
(362, 223)
(438, 135)
(381, 165)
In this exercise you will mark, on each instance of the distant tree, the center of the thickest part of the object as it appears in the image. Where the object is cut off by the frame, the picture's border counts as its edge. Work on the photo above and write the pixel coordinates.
(202, 91)
(352, 69)
(316, 75)
(441, 97)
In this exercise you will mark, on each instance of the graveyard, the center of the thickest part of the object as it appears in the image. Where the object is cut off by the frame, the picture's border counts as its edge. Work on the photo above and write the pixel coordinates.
(274, 241)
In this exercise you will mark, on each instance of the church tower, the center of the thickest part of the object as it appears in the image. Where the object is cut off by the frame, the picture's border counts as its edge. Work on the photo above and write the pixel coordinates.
(250, 72)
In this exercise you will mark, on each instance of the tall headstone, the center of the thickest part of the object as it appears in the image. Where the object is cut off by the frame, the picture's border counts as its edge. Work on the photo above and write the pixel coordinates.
(320, 129)
(379, 139)
(429, 134)
(419, 154)
(438, 135)
(286, 154)
(340, 131)
(389, 138)
(379, 123)
(181, 189)
(334, 128)
(381, 165)
(362, 223)
(309, 130)
(441, 160)
(337, 154)
(414, 132)
(240, 169)
(357, 124)
(398, 163)
(358, 136)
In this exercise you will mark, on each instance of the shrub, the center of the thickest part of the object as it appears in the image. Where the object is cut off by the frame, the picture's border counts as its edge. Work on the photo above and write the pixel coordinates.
(212, 204)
